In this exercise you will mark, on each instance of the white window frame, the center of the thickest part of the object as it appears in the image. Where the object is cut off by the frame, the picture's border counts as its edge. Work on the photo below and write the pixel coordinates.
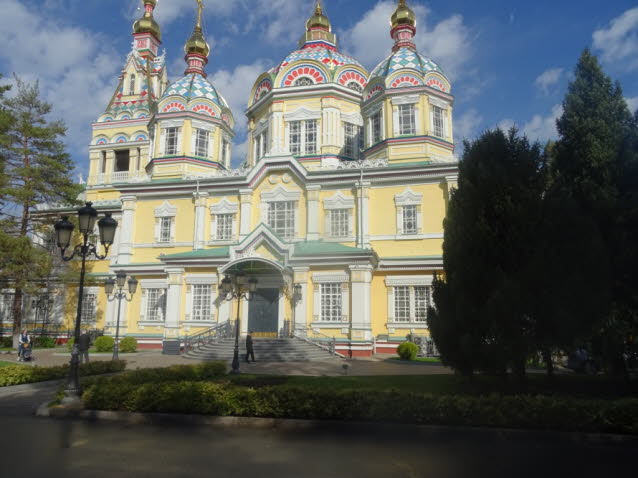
(163, 213)
(444, 107)
(303, 116)
(417, 316)
(164, 125)
(223, 208)
(397, 103)
(339, 202)
(282, 211)
(410, 224)
(201, 135)
(145, 286)
(161, 311)
(438, 122)
(279, 195)
(376, 111)
(89, 306)
(407, 120)
(342, 279)
(408, 198)
(352, 140)
(193, 283)
(331, 305)
(171, 148)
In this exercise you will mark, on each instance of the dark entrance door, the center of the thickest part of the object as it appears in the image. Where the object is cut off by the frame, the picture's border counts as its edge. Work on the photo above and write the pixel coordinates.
(263, 313)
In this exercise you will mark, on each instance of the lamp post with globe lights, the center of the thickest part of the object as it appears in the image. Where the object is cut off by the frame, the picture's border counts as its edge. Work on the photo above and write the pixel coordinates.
(109, 285)
(87, 215)
(240, 288)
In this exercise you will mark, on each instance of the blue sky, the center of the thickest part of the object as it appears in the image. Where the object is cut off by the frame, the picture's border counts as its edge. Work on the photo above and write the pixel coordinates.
(509, 61)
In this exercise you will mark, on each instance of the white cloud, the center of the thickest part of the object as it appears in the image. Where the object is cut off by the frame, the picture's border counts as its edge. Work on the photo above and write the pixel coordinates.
(618, 42)
(548, 78)
(543, 128)
(466, 126)
(506, 124)
(447, 43)
(632, 103)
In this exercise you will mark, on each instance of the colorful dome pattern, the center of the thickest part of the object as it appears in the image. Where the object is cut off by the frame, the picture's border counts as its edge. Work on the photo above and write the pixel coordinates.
(194, 86)
(330, 58)
(405, 58)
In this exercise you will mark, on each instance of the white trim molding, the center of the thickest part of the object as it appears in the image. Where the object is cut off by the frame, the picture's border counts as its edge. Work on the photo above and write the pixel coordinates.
(301, 114)
(405, 100)
(338, 201)
(280, 194)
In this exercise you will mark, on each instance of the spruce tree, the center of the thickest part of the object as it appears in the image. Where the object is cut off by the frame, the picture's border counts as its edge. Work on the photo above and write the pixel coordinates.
(37, 171)
(480, 321)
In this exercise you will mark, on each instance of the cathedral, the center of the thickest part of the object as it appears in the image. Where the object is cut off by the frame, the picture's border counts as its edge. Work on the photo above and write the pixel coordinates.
(335, 217)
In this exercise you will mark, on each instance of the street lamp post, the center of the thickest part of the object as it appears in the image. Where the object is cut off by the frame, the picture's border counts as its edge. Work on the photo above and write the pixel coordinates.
(239, 289)
(109, 285)
(296, 297)
(87, 216)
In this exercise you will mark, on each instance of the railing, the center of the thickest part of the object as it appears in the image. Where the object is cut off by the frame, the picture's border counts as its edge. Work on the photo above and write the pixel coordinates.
(318, 339)
(119, 176)
(209, 336)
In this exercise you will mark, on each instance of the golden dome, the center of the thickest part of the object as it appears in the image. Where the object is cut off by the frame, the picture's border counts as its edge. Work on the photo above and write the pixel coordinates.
(147, 23)
(318, 19)
(403, 15)
(197, 44)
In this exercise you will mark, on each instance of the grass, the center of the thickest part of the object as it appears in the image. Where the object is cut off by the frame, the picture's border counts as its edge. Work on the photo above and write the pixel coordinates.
(8, 364)
(420, 359)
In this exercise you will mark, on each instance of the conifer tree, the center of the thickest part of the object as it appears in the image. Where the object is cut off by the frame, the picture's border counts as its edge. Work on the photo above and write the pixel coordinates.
(37, 171)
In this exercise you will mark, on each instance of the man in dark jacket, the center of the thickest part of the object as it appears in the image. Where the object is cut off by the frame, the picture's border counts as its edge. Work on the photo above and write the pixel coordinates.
(249, 347)
(84, 343)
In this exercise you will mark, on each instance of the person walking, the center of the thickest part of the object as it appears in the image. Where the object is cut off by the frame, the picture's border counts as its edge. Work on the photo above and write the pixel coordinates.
(24, 342)
(249, 347)
(84, 344)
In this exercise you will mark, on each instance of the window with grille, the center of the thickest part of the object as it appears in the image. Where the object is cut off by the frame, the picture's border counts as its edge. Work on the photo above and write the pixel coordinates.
(89, 306)
(302, 137)
(225, 227)
(170, 146)
(438, 123)
(281, 218)
(261, 144)
(339, 222)
(304, 81)
(201, 302)
(402, 304)
(331, 302)
(407, 121)
(353, 143)
(201, 143)
(155, 305)
(411, 303)
(421, 302)
(131, 86)
(375, 121)
(165, 229)
(410, 225)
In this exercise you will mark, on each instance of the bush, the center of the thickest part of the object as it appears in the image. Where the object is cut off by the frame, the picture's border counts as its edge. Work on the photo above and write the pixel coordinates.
(44, 342)
(69, 344)
(407, 350)
(18, 374)
(104, 344)
(227, 399)
(6, 342)
(128, 345)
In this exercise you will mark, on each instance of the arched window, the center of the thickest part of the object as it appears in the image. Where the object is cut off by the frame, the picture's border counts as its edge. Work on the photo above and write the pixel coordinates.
(304, 81)
(131, 87)
(353, 85)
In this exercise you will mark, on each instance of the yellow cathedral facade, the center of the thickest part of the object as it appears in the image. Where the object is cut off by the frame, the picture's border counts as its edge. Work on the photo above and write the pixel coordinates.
(337, 211)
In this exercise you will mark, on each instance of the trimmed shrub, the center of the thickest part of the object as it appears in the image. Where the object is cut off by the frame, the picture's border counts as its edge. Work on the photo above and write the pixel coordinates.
(104, 344)
(6, 342)
(128, 345)
(19, 374)
(407, 350)
(44, 342)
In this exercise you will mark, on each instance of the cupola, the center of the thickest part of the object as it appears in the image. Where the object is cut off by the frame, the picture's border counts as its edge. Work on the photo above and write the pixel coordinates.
(318, 29)
(147, 23)
(197, 48)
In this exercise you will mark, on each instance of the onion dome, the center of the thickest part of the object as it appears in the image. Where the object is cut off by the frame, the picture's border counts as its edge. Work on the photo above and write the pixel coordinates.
(318, 20)
(147, 23)
(194, 86)
(197, 44)
(403, 15)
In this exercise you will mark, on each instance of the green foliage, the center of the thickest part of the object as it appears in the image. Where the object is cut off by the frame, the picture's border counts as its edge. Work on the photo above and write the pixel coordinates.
(69, 344)
(128, 345)
(104, 344)
(18, 374)
(407, 350)
(226, 399)
(44, 342)
(6, 342)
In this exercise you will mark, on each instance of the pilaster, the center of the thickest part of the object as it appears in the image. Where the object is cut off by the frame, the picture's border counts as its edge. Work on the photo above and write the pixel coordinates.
(200, 199)
(361, 317)
(246, 204)
(173, 301)
(301, 307)
(127, 229)
(313, 211)
(363, 224)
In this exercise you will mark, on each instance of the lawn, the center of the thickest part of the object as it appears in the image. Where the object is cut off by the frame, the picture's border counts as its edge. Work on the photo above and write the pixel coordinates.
(7, 364)
(420, 359)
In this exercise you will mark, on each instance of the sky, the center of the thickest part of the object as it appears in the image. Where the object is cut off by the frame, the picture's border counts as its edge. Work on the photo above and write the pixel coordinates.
(509, 61)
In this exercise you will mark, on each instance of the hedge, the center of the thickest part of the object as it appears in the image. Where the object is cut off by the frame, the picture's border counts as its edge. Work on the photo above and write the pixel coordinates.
(174, 373)
(128, 345)
(407, 350)
(225, 399)
(104, 344)
(19, 374)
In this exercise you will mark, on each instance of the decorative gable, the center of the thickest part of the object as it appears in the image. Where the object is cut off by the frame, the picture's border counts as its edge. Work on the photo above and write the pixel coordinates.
(166, 210)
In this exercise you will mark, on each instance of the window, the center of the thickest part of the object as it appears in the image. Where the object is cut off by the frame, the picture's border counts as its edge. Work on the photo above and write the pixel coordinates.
(438, 122)
(261, 144)
(89, 305)
(7, 307)
(103, 163)
(353, 85)
(304, 81)
(407, 122)
(155, 305)
(331, 302)
(224, 227)
(170, 146)
(339, 223)
(302, 137)
(165, 229)
(375, 128)
(411, 303)
(131, 87)
(410, 225)
(352, 141)
(122, 160)
(201, 143)
(281, 218)
(201, 302)
(225, 151)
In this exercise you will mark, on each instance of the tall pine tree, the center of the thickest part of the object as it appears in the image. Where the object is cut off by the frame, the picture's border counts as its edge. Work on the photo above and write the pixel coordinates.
(37, 170)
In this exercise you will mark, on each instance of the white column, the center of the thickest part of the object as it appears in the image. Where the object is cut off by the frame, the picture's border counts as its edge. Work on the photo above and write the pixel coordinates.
(363, 214)
(173, 302)
(301, 307)
(127, 229)
(199, 240)
(224, 306)
(276, 133)
(361, 317)
(246, 200)
(313, 212)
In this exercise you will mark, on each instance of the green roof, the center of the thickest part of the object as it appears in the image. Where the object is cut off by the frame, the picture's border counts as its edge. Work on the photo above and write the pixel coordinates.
(200, 253)
(398, 258)
(317, 248)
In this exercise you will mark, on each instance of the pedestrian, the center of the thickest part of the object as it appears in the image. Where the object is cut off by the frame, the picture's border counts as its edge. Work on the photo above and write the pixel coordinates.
(249, 347)
(24, 342)
(84, 343)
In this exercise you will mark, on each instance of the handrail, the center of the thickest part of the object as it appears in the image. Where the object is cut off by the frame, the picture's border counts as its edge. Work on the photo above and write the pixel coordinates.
(318, 339)
(209, 336)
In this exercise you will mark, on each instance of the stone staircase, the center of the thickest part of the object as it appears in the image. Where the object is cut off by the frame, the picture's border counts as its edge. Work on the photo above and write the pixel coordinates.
(266, 350)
